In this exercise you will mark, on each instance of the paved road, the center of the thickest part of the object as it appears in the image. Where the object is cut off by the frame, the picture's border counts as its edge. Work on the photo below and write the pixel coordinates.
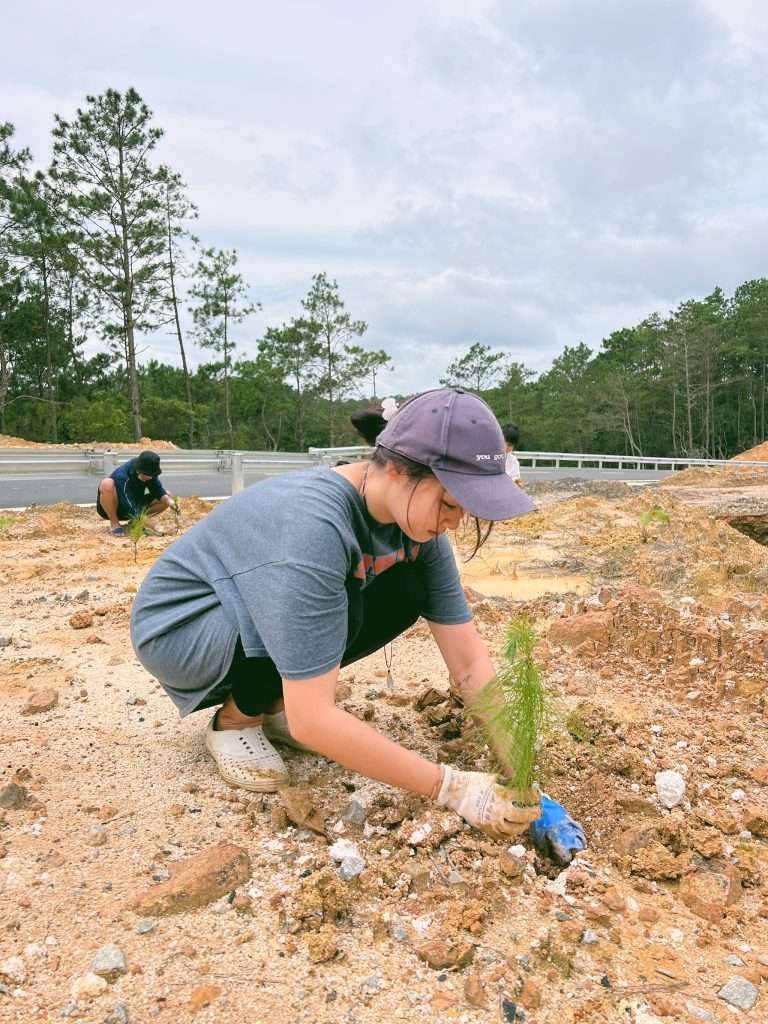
(24, 490)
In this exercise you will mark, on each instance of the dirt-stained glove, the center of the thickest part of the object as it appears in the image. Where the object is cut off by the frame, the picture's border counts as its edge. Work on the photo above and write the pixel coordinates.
(489, 806)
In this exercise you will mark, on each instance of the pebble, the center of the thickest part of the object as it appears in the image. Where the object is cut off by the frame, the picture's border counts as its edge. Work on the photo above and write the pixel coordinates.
(589, 938)
(97, 835)
(343, 849)
(117, 1015)
(12, 796)
(354, 813)
(670, 787)
(701, 1014)
(5, 641)
(145, 927)
(739, 992)
(40, 700)
(67, 1009)
(350, 868)
(509, 1012)
(734, 961)
(109, 962)
(738, 795)
(374, 982)
(12, 969)
(86, 986)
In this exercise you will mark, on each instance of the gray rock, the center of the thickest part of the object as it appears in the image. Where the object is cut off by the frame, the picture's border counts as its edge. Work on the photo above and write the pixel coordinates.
(589, 938)
(354, 813)
(455, 878)
(700, 1013)
(67, 1009)
(734, 961)
(740, 993)
(5, 641)
(398, 931)
(350, 868)
(109, 963)
(83, 596)
(117, 1015)
(374, 982)
(12, 796)
(146, 926)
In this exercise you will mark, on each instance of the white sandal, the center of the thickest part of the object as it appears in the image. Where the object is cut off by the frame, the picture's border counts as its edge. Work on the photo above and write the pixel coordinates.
(276, 729)
(246, 758)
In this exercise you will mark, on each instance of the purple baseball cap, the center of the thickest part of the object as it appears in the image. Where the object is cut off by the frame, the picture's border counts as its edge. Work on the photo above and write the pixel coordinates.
(459, 438)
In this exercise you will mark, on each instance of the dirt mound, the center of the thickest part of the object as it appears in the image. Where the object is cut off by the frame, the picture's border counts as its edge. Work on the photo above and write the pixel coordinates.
(715, 476)
(8, 441)
(757, 454)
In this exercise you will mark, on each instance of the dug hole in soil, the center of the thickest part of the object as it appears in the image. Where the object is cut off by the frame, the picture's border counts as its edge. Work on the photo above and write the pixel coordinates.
(135, 885)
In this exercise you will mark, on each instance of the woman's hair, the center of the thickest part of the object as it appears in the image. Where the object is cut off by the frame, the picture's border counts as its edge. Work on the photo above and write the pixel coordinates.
(369, 423)
(417, 472)
(511, 434)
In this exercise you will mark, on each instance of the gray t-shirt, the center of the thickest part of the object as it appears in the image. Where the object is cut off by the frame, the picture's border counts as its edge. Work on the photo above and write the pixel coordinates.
(272, 565)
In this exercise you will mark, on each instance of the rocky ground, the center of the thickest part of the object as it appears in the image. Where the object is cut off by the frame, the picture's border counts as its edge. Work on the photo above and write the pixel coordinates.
(137, 886)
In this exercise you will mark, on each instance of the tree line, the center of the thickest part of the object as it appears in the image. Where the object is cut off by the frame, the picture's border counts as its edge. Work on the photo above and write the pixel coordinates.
(691, 383)
(100, 243)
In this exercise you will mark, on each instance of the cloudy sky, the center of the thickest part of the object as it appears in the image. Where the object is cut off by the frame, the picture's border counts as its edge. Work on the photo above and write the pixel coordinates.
(524, 173)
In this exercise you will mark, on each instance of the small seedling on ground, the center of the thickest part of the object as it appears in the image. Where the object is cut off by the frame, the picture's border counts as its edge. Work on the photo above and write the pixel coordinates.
(649, 518)
(176, 509)
(512, 710)
(136, 529)
(6, 521)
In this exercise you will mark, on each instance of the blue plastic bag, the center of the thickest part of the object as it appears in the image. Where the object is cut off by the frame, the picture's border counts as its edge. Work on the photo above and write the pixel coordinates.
(556, 834)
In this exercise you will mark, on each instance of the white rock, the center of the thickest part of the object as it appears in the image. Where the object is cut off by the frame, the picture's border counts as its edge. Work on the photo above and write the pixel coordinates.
(87, 986)
(670, 787)
(13, 969)
(342, 849)
(738, 794)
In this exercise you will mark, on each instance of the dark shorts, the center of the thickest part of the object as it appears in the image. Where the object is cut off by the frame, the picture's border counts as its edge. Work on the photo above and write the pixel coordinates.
(379, 613)
(122, 511)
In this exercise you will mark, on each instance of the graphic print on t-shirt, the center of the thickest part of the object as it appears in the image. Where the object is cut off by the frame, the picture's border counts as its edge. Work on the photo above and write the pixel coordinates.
(369, 566)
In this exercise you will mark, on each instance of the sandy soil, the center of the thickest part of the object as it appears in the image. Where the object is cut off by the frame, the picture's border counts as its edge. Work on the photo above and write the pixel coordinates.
(9, 441)
(655, 641)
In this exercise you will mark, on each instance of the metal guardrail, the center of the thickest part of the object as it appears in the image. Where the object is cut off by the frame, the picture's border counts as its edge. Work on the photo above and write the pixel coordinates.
(585, 460)
(51, 462)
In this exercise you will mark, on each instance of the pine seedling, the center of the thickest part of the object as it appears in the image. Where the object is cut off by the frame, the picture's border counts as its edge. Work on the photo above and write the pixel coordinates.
(655, 514)
(136, 528)
(512, 709)
(176, 509)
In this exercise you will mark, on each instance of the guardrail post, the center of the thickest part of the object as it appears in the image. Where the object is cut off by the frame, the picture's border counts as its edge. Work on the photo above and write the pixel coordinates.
(238, 474)
(109, 462)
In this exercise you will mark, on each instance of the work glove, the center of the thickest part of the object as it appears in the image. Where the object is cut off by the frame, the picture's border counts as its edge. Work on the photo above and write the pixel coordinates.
(555, 833)
(489, 806)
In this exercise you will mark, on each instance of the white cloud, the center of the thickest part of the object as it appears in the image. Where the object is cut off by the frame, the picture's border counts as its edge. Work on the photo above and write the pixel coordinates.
(527, 175)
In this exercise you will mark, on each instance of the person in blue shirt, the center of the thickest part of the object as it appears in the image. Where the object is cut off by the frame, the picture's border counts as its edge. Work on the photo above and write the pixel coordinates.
(134, 486)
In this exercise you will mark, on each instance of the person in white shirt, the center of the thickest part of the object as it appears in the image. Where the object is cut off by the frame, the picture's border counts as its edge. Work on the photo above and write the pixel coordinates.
(512, 464)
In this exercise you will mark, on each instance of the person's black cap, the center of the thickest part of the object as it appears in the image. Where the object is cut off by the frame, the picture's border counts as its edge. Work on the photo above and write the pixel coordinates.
(148, 463)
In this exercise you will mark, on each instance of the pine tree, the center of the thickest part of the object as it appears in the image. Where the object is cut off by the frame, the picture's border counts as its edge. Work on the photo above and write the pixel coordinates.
(114, 203)
(222, 300)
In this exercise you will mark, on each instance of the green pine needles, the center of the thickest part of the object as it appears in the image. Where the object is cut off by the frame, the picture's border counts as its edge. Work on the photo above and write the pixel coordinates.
(137, 528)
(176, 509)
(512, 709)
